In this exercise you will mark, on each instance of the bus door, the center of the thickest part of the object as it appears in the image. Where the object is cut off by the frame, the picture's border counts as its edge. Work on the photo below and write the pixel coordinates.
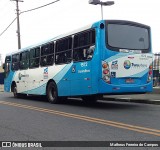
(83, 49)
(8, 75)
(23, 75)
(81, 78)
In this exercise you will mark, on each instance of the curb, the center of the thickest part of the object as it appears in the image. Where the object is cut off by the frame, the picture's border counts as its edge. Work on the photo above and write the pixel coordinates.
(156, 90)
(144, 101)
(148, 98)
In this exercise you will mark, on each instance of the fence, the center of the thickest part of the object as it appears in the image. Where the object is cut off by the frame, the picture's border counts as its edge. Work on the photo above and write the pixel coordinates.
(156, 70)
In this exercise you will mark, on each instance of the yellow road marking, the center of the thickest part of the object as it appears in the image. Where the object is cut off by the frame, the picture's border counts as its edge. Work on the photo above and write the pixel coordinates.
(89, 119)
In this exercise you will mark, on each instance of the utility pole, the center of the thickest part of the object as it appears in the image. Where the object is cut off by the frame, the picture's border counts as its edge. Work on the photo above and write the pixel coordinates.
(18, 23)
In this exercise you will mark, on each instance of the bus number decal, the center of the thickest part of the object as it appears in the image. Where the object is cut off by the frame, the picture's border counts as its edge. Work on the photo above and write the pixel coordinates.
(84, 64)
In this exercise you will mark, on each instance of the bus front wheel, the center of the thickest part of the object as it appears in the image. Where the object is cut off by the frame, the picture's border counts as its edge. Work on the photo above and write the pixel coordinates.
(52, 94)
(15, 94)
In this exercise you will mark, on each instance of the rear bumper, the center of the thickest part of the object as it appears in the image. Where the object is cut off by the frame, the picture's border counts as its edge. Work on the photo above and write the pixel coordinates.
(105, 88)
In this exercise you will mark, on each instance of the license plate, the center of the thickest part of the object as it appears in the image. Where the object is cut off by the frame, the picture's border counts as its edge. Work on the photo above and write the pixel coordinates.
(129, 80)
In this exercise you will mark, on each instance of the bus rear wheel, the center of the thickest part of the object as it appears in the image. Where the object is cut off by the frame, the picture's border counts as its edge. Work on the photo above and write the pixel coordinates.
(52, 94)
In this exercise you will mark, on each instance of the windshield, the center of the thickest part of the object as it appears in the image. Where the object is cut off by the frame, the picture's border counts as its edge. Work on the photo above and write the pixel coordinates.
(127, 36)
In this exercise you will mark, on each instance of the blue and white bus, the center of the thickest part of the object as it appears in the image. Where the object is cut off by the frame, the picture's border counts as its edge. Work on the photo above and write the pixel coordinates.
(106, 57)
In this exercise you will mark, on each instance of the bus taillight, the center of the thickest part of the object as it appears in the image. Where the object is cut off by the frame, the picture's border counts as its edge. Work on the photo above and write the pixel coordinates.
(105, 65)
(150, 73)
(150, 67)
(105, 72)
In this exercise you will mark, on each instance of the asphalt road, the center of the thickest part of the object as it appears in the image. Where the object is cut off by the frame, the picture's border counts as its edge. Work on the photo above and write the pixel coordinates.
(34, 119)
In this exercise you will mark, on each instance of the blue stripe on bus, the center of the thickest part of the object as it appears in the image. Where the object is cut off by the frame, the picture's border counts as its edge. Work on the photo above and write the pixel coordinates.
(57, 78)
(8, 81)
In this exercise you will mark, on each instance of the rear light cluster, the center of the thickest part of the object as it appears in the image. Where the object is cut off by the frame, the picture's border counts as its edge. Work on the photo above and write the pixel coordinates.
(106, 72)
(150, 73)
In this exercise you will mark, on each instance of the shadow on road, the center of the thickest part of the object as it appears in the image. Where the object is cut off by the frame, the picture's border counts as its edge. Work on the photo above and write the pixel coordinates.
(77, 102)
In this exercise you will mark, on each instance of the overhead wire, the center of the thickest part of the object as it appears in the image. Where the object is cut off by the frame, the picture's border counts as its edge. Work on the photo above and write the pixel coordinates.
(8, 26)
(4, 15)
(39, 7)
(25, 12)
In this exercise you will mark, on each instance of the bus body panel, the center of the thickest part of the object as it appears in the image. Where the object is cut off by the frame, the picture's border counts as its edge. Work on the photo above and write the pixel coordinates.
(81, 78)
(36, 82)
(128, 69)
(8, 81)
(128, 73)
(129, 65)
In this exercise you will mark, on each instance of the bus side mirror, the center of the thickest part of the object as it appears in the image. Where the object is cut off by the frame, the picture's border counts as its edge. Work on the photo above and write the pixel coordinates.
(90, 52)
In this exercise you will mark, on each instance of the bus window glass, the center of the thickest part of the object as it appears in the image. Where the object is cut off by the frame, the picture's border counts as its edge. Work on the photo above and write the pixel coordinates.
(15, 62)
(34, 57)
(84, 44)
(47, 54)
(124, 36)
(45, 50)
(37, 52)
(64, 50)
(24, 60)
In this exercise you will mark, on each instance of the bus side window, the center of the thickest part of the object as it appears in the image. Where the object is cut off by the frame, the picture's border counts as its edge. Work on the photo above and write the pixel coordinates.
(47, 54)
(15, 62)
(24, 60)
(34, 57)
(64, 50)
(84, 44)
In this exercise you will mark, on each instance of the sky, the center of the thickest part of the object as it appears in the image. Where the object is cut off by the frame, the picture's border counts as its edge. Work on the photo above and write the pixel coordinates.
(67, 15)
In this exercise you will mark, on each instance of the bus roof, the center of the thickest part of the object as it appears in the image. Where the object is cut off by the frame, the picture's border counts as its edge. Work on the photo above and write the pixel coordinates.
(52, 39)
(70, 33)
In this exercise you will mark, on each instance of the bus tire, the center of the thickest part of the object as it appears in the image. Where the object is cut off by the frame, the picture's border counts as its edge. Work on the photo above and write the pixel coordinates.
(15, 94)
(52, 94)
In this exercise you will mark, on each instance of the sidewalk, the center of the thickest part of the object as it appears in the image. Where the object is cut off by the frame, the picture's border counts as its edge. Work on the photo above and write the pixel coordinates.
(156, 90)
(148, 98)
(1, 88)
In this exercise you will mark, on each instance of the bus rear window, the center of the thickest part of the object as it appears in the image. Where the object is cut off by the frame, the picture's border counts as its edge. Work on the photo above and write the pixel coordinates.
(127, 36)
